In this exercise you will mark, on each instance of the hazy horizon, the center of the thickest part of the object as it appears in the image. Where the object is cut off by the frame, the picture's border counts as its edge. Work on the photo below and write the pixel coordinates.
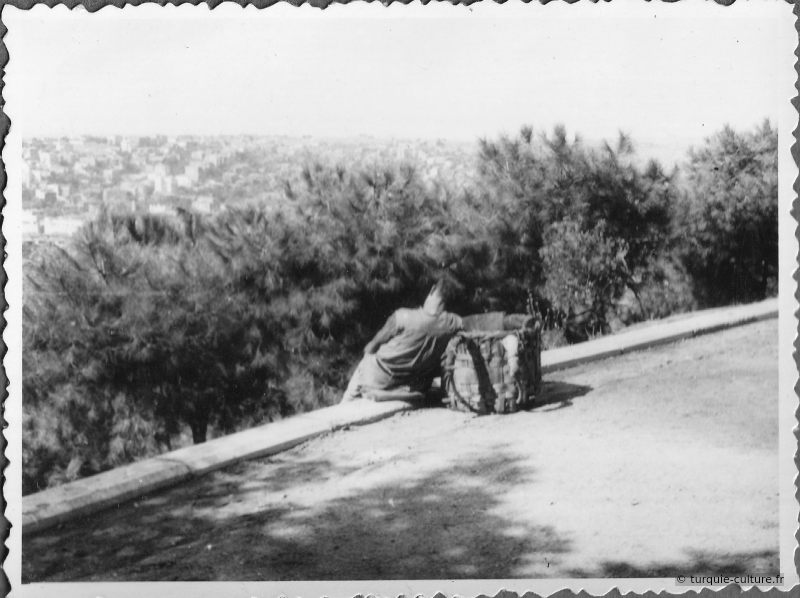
(667, 152)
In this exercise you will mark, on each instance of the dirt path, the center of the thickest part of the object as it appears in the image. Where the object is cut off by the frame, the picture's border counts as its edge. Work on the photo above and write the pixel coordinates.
(653, 464)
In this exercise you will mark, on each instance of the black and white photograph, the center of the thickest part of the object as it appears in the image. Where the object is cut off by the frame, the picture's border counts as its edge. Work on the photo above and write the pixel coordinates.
(400, 300)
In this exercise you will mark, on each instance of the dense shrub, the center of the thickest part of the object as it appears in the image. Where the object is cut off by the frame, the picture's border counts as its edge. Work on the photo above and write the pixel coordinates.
(586, 271)
(731, 220)
(582, 224)
(136, 329)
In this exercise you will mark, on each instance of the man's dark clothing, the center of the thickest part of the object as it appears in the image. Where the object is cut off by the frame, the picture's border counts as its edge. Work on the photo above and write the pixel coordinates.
(411, 357)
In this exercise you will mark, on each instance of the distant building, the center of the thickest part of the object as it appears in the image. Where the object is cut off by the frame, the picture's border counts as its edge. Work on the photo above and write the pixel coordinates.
(78, 199)
(163, 185)
(160, 208)
(203, 204)
(58, 169)
(30, 224)
(118, 199)
(60, 225)
(25, 173)
(193, 172)
(54, 192)
(138, 188)
(87, 162)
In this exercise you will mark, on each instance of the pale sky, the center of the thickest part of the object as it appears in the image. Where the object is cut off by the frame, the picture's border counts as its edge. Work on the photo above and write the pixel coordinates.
(657, 71)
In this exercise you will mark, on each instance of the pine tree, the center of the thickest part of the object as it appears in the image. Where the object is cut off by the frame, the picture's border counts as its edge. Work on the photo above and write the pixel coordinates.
(731, 219)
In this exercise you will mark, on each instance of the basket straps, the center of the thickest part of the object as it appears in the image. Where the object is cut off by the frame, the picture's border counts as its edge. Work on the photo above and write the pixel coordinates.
(448, 366)
(451, 386)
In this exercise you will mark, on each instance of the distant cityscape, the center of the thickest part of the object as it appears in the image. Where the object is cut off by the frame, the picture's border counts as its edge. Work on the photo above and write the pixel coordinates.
(67, 181)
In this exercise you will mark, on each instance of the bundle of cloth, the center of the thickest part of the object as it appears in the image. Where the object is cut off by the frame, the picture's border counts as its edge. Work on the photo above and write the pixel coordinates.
(494, 364)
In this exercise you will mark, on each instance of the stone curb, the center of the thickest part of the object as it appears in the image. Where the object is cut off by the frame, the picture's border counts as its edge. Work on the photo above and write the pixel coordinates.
(668, 331)
(83, 497)
(88, 495)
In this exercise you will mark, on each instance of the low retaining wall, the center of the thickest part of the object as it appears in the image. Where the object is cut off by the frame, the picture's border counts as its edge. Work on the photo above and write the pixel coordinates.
(82, 497)
(662, 332)
(88, 495)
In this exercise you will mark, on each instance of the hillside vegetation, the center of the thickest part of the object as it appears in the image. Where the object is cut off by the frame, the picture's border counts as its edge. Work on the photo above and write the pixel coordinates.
(145, 327)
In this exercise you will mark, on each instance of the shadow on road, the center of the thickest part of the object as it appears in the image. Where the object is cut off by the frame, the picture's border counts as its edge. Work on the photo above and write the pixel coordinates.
(697, 563)
(558, 395)
(445, 524)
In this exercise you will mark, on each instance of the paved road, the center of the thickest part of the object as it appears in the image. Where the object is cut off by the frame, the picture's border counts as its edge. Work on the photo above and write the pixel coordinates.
(652, 464)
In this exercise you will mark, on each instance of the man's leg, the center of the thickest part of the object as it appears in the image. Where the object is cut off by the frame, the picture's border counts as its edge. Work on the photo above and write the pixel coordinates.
(368, 376)
(353, 390)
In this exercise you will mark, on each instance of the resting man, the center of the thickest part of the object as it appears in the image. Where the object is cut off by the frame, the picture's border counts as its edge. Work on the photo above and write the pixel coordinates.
(406, 353)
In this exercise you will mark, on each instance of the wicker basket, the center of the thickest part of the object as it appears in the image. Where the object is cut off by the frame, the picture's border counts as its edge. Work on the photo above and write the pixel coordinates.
(493, 371)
